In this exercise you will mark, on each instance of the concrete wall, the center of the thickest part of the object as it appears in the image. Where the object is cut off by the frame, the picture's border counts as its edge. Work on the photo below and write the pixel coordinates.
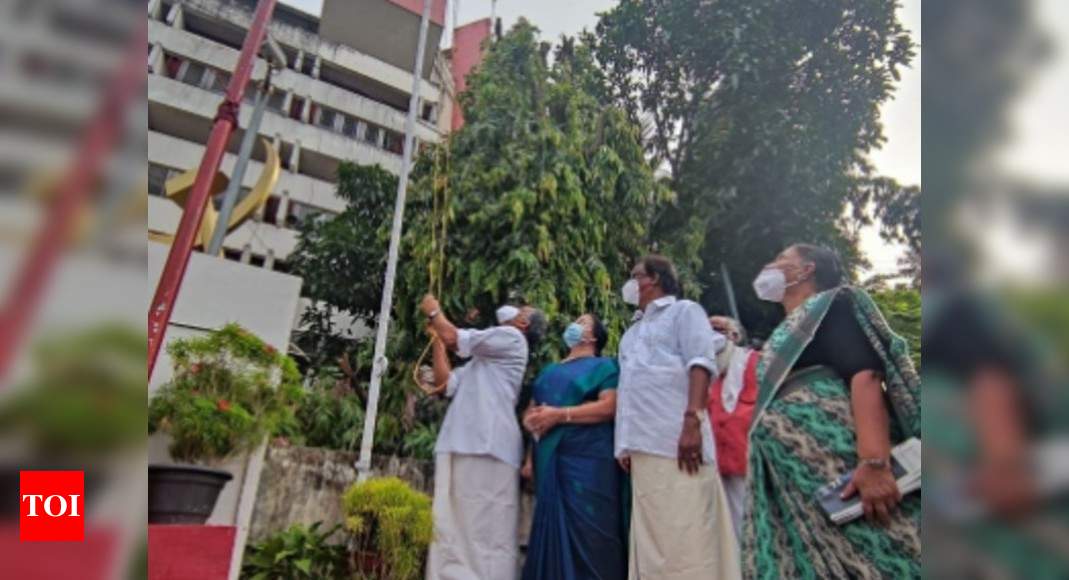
(304, 485)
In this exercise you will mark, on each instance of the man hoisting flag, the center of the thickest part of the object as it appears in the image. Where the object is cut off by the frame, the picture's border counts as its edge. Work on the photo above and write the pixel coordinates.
(480, 447)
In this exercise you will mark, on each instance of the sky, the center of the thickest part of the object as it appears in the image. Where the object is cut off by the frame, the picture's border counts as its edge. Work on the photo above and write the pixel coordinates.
(900, 157)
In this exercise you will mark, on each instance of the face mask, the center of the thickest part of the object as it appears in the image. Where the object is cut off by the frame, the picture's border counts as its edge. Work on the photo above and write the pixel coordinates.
(770, 285)
(630, 292)
(573, 335)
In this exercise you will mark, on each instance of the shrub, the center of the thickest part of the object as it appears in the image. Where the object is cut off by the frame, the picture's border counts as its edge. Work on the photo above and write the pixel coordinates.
(390, 519)
(298, 552)
(230, 390)
(330, 416)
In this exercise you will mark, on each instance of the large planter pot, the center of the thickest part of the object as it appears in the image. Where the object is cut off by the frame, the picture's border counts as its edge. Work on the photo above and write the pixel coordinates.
(183, 494)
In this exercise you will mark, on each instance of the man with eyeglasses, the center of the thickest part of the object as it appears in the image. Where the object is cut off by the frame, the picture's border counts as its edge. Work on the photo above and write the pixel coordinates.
(680, 524)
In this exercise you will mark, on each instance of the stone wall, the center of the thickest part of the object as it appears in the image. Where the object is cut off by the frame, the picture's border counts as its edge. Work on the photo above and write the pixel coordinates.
(303, 485)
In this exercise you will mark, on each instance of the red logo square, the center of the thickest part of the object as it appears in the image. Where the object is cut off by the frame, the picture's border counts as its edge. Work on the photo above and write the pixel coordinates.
(51, 506)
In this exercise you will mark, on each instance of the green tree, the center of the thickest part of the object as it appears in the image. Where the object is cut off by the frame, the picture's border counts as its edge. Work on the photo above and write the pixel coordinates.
(763, 113)
(902, 309)
(545, 194)
(341, 261)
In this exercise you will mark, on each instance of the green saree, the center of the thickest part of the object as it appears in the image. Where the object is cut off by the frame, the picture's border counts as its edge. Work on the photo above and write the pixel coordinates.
(803, 436)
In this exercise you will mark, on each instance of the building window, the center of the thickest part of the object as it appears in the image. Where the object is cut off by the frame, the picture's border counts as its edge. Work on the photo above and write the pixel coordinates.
(281, 266)
(428, 112)
(271, 209)
(371, 135)
(276, 100)
(157, 179)
(327, 118)
(296, 107)
(192, 73)
(308, 64)
(232, 255)
(300, 212)
(256, 260)
(171, 65)
(217, 81)
(350, 127)
(394, 142)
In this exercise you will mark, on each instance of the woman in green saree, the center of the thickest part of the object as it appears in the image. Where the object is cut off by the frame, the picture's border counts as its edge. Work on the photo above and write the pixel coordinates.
(836, 391)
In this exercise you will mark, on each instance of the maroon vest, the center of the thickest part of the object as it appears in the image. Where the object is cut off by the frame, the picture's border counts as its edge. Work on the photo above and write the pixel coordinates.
(731, 430)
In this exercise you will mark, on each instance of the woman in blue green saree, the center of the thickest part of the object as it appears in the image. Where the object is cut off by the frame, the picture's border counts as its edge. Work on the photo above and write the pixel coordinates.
(836, 391)
(578, 526)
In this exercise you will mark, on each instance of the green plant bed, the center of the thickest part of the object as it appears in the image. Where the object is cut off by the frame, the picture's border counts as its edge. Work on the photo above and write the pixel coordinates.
(298, 552)
(391, 526)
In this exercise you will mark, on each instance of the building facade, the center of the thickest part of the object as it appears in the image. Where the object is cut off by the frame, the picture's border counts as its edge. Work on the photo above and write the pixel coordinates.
(335, 101)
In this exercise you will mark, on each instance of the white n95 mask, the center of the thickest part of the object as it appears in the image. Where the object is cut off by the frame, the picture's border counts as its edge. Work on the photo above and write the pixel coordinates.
(770, 285)
(630, 292)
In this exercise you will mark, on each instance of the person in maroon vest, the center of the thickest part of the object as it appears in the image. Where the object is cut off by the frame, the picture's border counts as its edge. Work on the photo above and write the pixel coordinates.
(731, 403)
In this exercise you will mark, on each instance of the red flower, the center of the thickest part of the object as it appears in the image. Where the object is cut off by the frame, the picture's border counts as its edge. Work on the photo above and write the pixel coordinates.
(194, 368)
(270, 349)
(223, 405)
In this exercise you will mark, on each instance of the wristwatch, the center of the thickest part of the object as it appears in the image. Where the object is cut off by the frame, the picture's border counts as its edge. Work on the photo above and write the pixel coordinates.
(692, 415)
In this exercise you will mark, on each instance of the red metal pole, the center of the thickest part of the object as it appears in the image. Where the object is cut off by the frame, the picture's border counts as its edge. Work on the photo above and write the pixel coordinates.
(159, 314)
(104, 129)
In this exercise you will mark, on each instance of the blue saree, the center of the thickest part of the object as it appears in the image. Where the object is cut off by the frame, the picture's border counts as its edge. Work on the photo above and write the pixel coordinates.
(580, 520)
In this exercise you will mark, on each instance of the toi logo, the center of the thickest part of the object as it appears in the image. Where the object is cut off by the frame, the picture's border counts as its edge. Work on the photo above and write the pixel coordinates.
(51, 506)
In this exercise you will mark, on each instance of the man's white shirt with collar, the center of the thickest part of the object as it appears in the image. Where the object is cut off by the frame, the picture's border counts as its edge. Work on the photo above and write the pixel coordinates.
(656, 354)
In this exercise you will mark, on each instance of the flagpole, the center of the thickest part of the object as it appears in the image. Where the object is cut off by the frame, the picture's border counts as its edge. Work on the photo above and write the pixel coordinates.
(378, 368)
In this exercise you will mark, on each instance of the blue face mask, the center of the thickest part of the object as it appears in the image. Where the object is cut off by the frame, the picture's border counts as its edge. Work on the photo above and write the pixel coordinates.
(573, 335)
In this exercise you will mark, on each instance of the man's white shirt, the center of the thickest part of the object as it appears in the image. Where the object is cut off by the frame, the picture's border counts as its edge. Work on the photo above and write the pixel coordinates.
(481, 419)
(656, 354)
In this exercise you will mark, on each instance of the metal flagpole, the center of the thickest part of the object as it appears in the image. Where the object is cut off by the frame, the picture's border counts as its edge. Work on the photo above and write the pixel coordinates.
(378, 368)
(233, 189)
(730, 292)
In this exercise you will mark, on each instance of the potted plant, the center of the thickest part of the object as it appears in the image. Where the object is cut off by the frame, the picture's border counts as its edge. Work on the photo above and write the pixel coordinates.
(229, 391)
(391, 526)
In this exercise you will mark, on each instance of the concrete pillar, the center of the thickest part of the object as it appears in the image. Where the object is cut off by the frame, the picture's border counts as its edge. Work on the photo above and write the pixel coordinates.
(283, 209)
(246, 254)
(306, 110)
(175, 18)
(154, 7)
(299, 60)
(295, 156)
(286, 102)
(316, 66)
(155, 59)
(269, 261)
(361, 130)
(381, 141)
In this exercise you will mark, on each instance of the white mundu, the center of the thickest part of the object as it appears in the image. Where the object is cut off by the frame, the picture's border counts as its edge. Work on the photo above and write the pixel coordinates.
(477, 460)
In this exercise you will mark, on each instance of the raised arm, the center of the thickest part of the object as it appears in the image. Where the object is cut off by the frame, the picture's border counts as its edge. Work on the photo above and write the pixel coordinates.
(446, 330)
